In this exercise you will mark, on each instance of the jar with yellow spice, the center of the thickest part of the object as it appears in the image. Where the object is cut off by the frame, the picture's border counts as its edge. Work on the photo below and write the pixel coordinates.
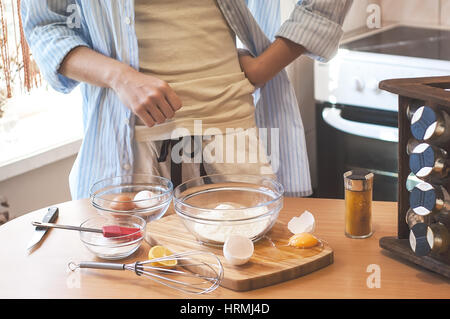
(358, 203)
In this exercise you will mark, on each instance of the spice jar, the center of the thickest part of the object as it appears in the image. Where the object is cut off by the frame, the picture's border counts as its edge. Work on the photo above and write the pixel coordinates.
(426, 199)
(431, 126)
(434, 239)
(430, 163)
(358, 203)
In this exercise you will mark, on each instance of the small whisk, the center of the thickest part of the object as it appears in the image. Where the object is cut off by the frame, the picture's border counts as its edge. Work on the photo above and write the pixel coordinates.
(196, 272)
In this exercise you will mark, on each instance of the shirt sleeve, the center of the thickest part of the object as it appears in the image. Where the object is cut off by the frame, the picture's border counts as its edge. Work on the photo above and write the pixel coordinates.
(317, 26)
(52, 31)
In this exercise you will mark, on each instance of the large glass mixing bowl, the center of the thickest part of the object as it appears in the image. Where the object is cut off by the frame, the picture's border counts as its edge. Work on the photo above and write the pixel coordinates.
(216, 206)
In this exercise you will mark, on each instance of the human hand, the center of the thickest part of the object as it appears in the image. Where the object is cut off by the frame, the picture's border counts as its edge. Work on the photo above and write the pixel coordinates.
(150, 98)
(249, 66)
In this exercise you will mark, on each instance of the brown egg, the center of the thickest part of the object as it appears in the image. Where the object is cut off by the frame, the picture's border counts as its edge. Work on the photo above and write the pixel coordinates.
(122, 202)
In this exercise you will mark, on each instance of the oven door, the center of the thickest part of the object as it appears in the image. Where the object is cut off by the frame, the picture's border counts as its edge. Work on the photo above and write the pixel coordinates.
(351, 138)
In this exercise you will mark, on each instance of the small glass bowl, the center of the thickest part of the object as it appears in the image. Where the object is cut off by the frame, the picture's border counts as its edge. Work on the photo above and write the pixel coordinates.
(249, 206)
(113, 248)
(104, 192)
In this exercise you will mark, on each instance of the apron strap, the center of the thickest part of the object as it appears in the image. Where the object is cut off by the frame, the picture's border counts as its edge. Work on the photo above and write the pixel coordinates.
(176, 168)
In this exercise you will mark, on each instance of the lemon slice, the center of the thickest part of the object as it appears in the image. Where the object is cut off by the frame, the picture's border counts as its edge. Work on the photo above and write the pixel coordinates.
(159, 252)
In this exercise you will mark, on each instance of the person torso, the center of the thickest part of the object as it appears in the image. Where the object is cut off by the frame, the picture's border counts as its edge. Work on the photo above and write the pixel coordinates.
(189, 45)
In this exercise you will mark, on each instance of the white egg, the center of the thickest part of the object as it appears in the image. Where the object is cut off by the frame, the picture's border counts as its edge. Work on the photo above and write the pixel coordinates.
(238, 249)
(303, 224)
(144, 199)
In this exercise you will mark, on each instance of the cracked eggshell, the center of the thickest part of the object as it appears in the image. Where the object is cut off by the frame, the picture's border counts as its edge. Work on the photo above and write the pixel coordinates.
(305, 223)
(238, 249)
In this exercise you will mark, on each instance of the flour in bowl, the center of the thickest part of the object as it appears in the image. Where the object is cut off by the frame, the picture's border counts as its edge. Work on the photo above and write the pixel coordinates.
(220, 232)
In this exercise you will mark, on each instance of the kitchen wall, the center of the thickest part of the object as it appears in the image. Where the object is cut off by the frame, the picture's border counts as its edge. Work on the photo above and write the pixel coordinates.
(38, 188)
(445, 13)
(429, 12)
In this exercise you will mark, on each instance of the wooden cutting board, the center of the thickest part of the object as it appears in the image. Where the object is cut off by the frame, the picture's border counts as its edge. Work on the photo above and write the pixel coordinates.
(272, 262)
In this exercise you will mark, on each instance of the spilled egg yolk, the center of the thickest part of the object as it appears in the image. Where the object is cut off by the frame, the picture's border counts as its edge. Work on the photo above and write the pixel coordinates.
(303, 240)
(122, 202)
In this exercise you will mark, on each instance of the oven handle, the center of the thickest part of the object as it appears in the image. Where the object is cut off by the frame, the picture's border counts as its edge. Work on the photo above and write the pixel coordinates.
(333, 117)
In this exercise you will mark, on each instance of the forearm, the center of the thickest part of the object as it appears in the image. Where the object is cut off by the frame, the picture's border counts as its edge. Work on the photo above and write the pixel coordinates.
(151, 99)
(86, 65)
(275, 58)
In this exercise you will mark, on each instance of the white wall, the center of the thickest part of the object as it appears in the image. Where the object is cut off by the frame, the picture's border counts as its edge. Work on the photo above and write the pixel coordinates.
(38, 188)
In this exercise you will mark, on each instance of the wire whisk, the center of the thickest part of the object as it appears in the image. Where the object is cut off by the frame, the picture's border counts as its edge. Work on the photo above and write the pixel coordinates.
(195, 272)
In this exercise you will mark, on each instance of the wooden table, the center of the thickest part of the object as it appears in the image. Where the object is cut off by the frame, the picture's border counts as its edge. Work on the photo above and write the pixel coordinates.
(44, 273)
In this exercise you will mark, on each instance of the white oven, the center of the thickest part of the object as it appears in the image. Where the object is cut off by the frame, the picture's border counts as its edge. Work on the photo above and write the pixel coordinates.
(356, 121)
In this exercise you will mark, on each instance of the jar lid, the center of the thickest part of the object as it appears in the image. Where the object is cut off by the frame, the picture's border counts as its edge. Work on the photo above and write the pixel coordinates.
(421, 239)
(358, 180)
(422, 199)
(422, 160)
(423, 123)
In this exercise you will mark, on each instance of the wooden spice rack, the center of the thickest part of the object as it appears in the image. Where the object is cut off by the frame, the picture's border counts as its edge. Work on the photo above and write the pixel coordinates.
(435, 93)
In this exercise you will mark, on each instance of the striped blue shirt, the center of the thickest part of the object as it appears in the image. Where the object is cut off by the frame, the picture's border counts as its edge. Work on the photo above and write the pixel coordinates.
(107, 27)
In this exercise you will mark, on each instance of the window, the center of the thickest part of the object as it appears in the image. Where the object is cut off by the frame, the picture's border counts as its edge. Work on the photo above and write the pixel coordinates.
(34, 119)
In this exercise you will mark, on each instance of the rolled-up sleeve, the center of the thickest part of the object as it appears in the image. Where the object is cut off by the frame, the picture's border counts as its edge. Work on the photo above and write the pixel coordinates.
(317, 26)
(46, 28)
